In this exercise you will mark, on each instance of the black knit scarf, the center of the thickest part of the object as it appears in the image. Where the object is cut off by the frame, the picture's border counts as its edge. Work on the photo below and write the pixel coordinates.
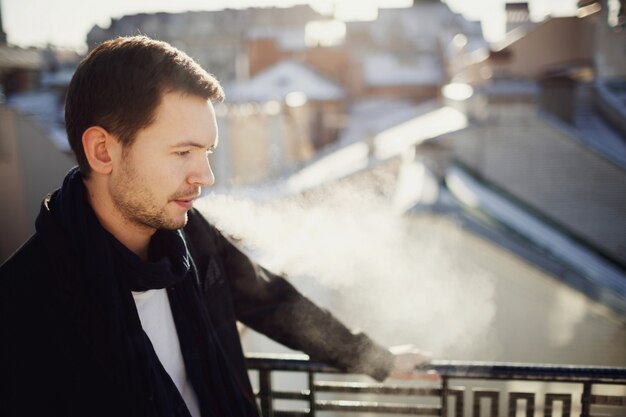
(101, 273)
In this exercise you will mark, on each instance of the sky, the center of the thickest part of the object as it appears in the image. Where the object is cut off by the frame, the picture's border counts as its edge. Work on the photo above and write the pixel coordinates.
(66, 22)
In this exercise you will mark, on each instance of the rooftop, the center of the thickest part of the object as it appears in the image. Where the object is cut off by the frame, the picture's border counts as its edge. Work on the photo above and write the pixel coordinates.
(283, 78)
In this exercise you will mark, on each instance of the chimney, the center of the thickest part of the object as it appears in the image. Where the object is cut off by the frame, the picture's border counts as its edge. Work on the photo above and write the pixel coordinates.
(517, 14)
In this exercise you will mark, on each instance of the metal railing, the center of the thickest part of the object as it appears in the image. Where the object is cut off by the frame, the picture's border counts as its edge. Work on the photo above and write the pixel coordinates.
(587, 395)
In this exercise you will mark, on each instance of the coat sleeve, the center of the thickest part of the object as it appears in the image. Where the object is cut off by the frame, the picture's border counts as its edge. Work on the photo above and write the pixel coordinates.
(269, 304)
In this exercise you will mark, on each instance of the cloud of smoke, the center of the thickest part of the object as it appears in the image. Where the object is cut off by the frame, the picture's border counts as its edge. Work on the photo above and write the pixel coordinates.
(401, 280)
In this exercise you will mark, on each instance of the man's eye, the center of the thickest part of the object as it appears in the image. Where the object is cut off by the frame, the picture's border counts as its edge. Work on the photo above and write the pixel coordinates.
(182, 153)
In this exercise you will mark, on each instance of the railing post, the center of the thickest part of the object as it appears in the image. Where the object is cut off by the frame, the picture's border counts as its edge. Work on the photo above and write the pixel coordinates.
(312, 394)
(265, 393)
(444, 396)
(585, 400)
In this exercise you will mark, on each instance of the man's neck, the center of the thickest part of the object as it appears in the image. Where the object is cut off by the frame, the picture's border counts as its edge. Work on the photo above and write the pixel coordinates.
(135, 237)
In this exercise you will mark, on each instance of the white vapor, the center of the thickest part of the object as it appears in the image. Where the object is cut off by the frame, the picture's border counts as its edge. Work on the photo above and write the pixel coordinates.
(393, 277)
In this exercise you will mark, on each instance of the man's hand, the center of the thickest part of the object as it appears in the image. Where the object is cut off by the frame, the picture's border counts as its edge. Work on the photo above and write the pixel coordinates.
(407, 359)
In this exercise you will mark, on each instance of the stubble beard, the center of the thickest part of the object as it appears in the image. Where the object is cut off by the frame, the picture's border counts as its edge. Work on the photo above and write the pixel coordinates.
(138, 206)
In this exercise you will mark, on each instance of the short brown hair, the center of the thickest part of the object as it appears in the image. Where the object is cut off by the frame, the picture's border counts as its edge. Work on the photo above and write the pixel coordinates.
(119, 86)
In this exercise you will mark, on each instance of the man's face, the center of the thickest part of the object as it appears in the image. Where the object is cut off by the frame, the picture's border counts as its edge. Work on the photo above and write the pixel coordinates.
(162, 172)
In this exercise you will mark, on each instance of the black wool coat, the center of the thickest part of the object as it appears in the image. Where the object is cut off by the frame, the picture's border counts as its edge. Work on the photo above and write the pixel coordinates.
(48, 367)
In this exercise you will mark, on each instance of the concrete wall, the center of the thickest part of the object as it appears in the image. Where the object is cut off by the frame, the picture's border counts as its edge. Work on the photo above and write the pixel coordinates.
(540, 164)
(12, 214)
(33, 167)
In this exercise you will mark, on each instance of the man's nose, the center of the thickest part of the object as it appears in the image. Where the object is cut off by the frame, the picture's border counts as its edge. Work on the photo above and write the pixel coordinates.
(203, 175)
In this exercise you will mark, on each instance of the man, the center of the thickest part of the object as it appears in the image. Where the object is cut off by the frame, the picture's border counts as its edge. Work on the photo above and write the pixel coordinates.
(124, 302)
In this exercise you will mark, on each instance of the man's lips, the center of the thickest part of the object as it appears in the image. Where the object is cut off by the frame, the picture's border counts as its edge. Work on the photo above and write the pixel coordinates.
(185, 202)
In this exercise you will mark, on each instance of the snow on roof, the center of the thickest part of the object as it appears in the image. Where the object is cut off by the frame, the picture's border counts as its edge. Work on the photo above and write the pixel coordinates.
(338, 164)
(389, 143)
(385, 69)
(432, 124)
(370, 117)
(283, 78)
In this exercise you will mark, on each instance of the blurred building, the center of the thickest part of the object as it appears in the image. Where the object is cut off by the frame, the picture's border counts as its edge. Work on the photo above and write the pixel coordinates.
(19, 69)
(405, 53)
(217, 40)
(402, 56)
(552, 127)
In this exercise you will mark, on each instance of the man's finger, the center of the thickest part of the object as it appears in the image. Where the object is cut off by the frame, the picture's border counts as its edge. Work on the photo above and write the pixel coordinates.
(416, 375)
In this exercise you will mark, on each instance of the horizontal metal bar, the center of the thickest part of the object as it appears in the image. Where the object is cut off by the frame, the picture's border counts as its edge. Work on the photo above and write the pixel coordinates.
(363, 407)
(291, 413)
(612, 400)
(534, 372)
(352, 388)
(362, 388)
(302, 395)
(463, 370)
(286, 362)
(374, 407)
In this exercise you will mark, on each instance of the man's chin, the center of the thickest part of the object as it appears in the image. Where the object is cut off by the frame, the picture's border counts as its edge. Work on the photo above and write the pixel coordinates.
(176, 223)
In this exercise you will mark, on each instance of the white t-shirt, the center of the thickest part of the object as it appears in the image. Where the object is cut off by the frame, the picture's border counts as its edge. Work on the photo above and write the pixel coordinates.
(157, 321)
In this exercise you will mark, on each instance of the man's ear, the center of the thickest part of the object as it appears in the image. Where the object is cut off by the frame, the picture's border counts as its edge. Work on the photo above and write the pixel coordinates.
(97, 143)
